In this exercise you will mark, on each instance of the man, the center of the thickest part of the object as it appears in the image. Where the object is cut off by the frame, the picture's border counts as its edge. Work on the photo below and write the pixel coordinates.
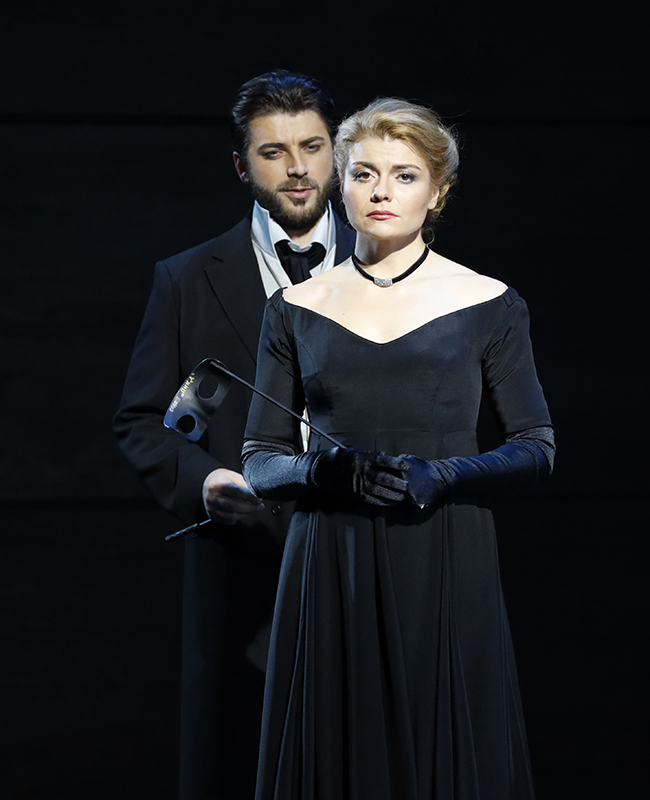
(209, 302)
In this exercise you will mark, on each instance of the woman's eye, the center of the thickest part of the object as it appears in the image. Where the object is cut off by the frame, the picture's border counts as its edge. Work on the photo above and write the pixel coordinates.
(406, 177)
(360, 176)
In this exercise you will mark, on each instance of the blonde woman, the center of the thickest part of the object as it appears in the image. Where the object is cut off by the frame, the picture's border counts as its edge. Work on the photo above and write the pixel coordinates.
(391, 674)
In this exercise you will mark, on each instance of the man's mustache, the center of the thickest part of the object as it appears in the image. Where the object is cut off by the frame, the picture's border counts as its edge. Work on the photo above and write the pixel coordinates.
(298, 183)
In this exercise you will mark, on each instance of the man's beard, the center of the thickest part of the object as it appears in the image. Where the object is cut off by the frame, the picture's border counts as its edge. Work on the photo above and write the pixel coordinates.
(297, 218)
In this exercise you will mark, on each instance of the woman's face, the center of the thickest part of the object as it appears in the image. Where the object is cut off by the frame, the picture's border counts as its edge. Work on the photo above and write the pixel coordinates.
(387, 189)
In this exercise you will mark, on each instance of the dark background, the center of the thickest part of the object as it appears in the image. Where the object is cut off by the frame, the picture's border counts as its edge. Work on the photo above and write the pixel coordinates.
(115, 153)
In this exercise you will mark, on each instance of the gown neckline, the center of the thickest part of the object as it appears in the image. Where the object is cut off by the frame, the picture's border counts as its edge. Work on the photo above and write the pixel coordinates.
(403, 335)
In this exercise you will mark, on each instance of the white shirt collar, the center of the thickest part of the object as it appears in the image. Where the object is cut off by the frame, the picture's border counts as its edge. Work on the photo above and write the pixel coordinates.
(266, 232)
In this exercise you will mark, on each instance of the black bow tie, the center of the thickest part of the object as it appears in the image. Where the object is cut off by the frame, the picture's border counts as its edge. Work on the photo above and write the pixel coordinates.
(297, 265)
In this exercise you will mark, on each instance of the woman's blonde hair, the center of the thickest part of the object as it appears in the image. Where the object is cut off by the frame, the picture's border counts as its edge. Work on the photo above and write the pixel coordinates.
(417, 126)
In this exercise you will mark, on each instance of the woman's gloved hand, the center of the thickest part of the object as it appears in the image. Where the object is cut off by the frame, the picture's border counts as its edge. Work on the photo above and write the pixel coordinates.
(375, 478)
(426, 484)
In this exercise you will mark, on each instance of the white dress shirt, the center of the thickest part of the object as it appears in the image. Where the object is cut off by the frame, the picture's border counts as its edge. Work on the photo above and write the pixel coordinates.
(266, 233)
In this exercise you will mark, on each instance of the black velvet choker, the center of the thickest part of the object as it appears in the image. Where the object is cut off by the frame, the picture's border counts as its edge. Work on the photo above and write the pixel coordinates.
(389, 281)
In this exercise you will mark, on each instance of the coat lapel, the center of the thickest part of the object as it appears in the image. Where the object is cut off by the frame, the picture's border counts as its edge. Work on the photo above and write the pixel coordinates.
(235, 279)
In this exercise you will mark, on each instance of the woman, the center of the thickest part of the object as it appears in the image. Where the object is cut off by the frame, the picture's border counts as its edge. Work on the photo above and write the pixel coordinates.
(391, 674)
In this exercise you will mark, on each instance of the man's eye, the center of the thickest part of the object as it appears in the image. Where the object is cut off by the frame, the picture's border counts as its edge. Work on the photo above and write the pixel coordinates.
(270, 154)
(313, 148)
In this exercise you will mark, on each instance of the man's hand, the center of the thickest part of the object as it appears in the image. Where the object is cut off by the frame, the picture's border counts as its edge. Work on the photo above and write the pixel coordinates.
(227, 498)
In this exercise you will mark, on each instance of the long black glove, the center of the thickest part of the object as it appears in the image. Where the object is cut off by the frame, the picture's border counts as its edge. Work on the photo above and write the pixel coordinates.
(515, 466)
(274, 472)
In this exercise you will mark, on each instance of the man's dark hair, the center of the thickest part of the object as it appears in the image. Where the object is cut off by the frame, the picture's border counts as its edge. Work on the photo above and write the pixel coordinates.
(278, 92)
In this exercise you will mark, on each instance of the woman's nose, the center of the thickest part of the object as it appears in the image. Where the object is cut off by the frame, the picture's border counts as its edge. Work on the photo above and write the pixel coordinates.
(379, 193)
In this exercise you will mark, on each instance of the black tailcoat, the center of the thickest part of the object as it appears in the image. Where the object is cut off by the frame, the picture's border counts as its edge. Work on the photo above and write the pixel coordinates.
(208, 302)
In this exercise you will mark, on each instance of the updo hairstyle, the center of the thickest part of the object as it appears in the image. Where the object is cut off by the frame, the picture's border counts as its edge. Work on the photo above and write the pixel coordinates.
(416, 126)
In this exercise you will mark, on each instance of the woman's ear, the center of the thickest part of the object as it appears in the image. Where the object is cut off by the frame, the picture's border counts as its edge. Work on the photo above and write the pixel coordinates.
(433, 202)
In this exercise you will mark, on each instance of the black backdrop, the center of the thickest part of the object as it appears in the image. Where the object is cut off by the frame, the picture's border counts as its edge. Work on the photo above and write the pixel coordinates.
(115, 153)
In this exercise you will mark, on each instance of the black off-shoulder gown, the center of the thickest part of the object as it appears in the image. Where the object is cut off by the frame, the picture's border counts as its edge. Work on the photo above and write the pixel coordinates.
(391, 673)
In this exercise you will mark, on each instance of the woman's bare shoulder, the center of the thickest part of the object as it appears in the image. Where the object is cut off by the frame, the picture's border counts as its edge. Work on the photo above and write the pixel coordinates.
(476, 287)
(318, 289)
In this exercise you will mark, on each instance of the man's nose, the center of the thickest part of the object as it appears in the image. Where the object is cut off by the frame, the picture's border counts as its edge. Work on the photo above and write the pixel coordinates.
(297, 167)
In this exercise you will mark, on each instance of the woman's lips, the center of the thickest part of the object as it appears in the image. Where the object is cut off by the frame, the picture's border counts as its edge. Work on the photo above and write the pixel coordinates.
(381, 215)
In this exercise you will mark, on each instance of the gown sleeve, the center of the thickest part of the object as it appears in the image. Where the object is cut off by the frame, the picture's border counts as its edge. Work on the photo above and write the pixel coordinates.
(510, 381)
(514, 393)
(273, 464)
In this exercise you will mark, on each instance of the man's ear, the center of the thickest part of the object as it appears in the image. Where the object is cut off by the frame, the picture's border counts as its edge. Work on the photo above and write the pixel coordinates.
(240, 166)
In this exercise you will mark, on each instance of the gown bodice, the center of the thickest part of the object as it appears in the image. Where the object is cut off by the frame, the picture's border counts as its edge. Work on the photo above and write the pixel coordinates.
(421, 389)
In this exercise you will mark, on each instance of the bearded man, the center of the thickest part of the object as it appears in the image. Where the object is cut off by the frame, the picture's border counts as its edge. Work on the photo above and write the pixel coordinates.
(208, 302)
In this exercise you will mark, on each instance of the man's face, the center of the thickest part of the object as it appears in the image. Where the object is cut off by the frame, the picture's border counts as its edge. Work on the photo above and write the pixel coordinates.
(289, 168)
